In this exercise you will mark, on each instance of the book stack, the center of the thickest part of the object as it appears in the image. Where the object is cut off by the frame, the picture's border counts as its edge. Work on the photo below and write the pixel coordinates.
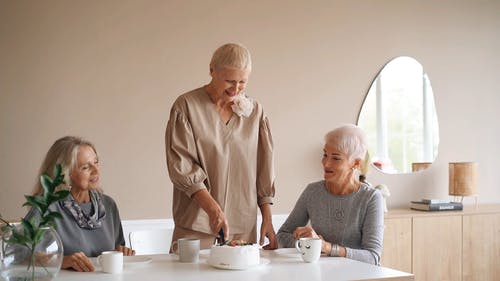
(436, 205)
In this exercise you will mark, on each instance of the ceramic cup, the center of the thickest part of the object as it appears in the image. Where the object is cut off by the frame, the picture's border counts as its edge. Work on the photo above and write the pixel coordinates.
(111, 261)
(310, 248)
(188, 249)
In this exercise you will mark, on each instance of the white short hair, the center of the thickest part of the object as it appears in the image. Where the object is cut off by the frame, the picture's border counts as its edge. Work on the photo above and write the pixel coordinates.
(232, 55)
(349, 139)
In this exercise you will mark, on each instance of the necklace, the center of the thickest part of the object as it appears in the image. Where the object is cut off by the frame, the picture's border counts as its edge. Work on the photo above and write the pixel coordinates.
(339, 212)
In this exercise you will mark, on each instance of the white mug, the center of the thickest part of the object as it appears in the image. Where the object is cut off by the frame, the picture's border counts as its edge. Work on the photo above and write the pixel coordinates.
(188, 249)
(111, 261)
(310, 248)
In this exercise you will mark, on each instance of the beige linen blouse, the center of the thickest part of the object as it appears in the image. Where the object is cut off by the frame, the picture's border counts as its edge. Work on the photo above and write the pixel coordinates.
(233, 161)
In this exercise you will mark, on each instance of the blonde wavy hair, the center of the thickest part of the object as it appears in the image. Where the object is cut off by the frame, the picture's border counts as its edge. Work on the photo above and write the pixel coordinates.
(64, 151)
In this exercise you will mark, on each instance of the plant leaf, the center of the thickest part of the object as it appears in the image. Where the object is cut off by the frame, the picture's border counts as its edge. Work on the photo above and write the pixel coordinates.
(50, 198)
(37, 203)
(46, 182)
(54, 215)
(52, 223)
(38, 235)
(5, 228)
(58, 176)
(49, 219)
(33, 222)
(29, 234)
(19, 238)
(29, 228)
(62, 194)
(57, 171)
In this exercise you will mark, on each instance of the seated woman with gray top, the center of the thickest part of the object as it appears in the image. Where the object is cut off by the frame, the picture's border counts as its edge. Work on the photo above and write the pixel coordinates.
(346, 214)
(91, 223)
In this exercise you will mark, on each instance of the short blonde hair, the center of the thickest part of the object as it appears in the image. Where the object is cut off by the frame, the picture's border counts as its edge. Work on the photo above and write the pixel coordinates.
(231, 55)
(64, 151)
(349, 139)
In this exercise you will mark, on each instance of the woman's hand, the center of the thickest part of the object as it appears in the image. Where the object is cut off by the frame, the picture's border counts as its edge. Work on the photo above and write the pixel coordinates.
(306, 231)
(217, 219)
(78, 261)
(267, 228)
(326, 247)
(126, 251)
(303, 232)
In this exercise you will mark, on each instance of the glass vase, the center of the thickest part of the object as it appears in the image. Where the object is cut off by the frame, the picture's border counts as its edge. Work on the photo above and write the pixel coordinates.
(18, 262)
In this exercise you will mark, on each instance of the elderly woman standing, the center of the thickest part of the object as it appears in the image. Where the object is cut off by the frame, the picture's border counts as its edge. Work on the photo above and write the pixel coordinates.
(346, 214)
(91, 223)
(220, 156)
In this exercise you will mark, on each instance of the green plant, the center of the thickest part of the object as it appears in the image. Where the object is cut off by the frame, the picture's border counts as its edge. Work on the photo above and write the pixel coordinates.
(29, 233)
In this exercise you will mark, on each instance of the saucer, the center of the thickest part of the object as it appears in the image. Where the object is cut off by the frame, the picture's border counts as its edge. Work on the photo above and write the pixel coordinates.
(136, 260)
(287, 252)
(262, 262)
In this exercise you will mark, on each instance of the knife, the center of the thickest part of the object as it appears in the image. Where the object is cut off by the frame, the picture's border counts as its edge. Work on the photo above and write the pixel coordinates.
(221, 237)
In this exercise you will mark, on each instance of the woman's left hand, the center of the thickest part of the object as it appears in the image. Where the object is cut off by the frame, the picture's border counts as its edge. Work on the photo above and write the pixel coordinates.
(126, 251)
(267, 230)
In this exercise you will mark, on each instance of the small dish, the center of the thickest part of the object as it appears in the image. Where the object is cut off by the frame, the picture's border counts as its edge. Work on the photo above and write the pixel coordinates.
(262, 262)
(287, 252)
(136, 260)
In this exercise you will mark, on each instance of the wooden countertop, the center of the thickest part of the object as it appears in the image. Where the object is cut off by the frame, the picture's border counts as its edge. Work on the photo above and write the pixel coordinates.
(468, 210)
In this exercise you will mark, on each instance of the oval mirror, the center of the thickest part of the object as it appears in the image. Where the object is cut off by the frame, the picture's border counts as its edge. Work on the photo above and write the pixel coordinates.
(399, 118)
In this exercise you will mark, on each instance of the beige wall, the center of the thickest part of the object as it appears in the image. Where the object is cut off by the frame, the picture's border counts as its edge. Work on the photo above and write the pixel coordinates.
(110, 70)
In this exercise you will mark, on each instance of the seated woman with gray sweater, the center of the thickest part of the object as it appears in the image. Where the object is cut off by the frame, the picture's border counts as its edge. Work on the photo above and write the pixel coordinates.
(346, 214)
(91, 223)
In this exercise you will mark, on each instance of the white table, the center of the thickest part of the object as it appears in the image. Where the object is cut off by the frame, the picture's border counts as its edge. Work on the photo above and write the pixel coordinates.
(167, 267)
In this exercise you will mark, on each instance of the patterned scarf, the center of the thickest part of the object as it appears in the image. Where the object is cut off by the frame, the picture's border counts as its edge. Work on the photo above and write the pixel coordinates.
(91, 221)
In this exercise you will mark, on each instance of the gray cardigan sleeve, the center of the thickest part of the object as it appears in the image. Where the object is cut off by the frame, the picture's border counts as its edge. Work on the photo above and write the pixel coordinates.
(372, 229)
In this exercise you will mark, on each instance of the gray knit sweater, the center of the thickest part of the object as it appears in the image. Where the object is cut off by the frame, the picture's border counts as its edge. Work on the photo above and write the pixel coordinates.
(354, 221)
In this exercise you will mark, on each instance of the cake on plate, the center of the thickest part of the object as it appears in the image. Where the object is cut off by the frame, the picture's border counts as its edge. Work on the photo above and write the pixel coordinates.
(234, 255)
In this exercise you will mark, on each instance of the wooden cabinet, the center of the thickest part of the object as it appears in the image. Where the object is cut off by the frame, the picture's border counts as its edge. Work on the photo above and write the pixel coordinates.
(437, 248)
(456, 245)
(396, 252)
(481, 247)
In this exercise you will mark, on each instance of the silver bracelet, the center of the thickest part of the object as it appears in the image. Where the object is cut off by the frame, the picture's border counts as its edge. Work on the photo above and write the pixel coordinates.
(335, 250)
